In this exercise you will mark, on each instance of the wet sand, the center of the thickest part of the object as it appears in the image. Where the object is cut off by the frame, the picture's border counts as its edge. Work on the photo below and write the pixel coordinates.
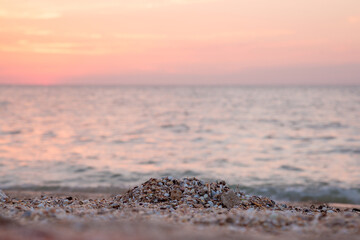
(81, 215)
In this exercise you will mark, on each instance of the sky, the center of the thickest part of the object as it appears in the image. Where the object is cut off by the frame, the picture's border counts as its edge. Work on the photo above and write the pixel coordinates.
(250, 42)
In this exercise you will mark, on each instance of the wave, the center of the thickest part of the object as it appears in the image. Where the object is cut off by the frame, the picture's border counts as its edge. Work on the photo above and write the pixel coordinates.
(11, 132)
(329, 125)
(176, 128)
(310, 193)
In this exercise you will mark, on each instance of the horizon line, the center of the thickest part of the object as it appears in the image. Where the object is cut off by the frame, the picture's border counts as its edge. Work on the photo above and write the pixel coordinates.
(180, 85)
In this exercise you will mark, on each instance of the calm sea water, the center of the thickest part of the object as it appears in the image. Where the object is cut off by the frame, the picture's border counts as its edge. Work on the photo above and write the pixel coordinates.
(294, 143)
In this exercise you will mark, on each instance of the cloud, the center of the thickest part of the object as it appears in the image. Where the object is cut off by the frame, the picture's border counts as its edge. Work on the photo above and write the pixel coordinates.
(161, 3)
(29, 15)
(95, 36)
(48, 15)
(25, 46)
(234, 36)
(141, 36)
(34, 32)
(22, 9)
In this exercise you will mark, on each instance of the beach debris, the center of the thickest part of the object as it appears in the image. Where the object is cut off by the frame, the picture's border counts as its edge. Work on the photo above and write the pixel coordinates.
(192, 192)
(3, 196)
(356, 210)
(168, 190)
(230, 199)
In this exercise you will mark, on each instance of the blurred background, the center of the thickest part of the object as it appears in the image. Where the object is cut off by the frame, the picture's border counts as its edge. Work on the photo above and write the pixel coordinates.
(293, 143)
(104, 95)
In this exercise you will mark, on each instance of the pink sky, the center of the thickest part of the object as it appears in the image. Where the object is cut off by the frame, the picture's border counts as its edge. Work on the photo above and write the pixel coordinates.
(180, 42)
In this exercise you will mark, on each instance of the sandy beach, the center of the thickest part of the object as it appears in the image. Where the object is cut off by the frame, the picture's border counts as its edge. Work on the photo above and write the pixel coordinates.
(170, 209)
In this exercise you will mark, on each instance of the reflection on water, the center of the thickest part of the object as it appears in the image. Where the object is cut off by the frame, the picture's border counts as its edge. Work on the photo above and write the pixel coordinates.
(119, 136)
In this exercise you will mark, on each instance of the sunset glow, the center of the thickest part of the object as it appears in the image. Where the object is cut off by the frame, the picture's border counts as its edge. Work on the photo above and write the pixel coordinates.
(179, 42)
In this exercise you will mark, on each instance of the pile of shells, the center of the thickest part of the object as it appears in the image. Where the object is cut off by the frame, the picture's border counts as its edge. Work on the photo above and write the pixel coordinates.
(3, 196)
(193, 192)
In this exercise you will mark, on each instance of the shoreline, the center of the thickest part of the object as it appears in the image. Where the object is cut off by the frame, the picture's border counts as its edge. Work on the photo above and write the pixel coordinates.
(101, 194)
(81, 215)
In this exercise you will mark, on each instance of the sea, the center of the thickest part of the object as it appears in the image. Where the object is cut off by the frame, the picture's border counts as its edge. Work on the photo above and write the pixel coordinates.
(287, 143)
